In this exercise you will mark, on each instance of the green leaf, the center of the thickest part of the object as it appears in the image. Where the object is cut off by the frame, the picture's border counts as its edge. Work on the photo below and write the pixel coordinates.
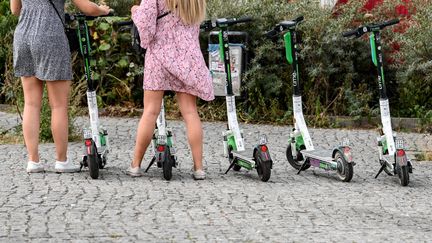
(123, 63)
(104, 47)
(104, 26)
(96, 76)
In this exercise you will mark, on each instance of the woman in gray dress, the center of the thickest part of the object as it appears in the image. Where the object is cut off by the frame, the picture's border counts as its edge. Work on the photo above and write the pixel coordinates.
(41, 53)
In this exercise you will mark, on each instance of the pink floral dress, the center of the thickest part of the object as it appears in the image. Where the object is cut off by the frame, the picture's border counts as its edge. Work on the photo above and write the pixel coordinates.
(173, 60)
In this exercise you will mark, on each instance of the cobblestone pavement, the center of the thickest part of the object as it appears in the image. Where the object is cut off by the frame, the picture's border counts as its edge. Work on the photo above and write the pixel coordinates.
(237, 207)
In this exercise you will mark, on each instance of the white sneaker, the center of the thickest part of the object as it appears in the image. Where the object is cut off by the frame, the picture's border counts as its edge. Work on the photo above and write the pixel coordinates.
(35, 167)
(134, 172)
(66, 167)
(199, 175)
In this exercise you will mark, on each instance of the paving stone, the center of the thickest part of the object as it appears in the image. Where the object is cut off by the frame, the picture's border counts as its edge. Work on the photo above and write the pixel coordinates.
(237, 207)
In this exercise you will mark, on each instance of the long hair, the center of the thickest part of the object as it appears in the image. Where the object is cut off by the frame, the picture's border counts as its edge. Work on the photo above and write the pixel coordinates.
(190, 11)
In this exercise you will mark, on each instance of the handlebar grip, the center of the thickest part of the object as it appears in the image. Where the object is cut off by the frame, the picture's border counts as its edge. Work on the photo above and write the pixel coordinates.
(271, 33)
(389, 23)
(123, 23)
(206, 25)
(240, 20)
(299, 19)
(350, 33)
(245, 19)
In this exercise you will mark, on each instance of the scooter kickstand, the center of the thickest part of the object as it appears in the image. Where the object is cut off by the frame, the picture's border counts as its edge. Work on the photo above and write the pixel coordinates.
(303, 166)
(151, 163)
(380, 170)
(231, 165)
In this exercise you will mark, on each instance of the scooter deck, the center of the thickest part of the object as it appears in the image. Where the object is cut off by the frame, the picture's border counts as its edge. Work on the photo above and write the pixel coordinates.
(320, 154)
(244, 155)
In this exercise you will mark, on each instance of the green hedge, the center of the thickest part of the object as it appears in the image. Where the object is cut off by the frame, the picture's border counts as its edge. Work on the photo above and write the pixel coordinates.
(415, 72)
(337, 75)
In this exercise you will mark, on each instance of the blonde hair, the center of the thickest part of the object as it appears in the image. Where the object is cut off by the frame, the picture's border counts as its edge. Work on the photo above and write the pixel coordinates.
(190, 11)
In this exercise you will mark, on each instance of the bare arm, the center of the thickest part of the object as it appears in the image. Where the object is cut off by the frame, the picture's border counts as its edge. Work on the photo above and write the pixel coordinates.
(91, 8)
(15, 6)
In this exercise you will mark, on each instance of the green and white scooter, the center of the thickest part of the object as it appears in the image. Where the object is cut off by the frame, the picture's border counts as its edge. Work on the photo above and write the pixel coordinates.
(163, 146)
(301, 153)
(95, 137)
(390, 147)
(234, 147)
(163, 139)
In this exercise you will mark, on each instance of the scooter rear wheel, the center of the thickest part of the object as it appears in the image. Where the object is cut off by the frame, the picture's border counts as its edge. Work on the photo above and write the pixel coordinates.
(345, 170)
(298, 162)
(403, 174)
(93, 161)
(263, 168)
(167, 164)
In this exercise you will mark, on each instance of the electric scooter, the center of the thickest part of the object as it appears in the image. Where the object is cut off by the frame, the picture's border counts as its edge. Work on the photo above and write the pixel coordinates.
(301, 153)
(390, 147)
(95, 137)
(162, 140)
(163, 146)
(234, 147)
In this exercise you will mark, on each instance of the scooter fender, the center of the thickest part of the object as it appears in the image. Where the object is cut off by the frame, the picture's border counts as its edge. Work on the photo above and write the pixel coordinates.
(401, 157)
(346, 152)
(263, 153)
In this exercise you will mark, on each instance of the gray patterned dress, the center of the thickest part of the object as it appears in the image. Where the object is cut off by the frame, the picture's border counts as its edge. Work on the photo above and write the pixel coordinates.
(40, 46)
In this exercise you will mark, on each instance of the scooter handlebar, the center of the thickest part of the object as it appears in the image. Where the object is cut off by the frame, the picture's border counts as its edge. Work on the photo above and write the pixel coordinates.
(299, 19)
(389, 23)
(234, 21)
(350, 33)
(240, 20)
(284, 25)
(123, 23)
(368, 28)
(207, 25)
(271, 33)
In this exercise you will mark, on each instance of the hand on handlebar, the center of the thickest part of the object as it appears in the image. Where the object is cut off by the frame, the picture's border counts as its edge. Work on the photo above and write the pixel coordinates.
(104, 10)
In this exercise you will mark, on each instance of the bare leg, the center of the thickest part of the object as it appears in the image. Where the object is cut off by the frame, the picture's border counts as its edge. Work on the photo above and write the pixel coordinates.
(33, 91)
(58, 93)
(188, 109)
(146, 126)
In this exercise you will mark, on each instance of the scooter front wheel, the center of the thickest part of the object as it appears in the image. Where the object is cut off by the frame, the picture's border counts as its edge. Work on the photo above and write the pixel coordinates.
(345, 170)
(263, 168)
(403, 174)
(298, 162)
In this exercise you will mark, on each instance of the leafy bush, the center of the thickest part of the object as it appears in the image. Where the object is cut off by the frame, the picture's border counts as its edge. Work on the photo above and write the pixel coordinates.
(331, 67)
(337, 75)
(415, 69)
(7, 27)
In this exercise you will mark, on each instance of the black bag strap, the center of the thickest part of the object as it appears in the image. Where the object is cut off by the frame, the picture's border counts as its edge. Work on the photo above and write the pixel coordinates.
(163, 15)
(58, 14)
